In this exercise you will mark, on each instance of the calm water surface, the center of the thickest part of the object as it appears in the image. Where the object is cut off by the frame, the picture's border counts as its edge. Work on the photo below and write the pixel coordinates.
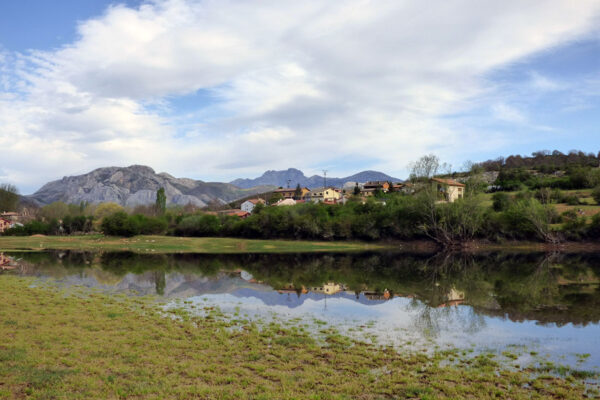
(534, 306)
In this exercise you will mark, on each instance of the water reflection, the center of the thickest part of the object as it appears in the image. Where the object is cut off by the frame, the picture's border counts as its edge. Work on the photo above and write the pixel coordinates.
(549, 302)
(548, 288)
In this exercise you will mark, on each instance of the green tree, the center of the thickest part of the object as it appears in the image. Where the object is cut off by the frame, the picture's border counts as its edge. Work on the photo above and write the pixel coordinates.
(275, 197)
(161, 201)
(9, 197)
(56, 210)
(104, 210)
(596, 194)
(356, 189)
(501, 201)
(298, 192)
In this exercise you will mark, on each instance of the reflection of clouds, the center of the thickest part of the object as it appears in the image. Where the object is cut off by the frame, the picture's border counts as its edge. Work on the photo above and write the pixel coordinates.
(410, 323)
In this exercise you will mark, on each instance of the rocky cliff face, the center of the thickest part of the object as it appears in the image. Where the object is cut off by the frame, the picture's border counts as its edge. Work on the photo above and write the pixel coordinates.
(136, 185)
(295, 176)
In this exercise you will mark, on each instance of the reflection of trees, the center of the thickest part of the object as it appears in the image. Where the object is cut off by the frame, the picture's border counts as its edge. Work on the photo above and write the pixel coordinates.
(160, 282)
(556, 288)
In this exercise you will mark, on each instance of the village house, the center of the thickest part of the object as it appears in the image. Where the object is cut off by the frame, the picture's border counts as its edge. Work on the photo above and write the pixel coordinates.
(290, 193)
(449, 189)
(249, 205)
(5, 224)
(330, 195)
(230, 213)
(10, 216)
(285, 202)
(377, 185)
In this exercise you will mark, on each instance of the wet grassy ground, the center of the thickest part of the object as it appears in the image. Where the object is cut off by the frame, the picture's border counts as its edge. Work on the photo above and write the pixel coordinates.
(80, 344)
(170, 244)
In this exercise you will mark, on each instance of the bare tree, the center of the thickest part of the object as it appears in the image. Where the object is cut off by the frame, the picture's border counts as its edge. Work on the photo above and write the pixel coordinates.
(426, 167)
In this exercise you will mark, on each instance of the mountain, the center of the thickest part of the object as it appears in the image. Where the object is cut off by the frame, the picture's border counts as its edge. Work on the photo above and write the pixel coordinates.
(135, 185)
(295, 176)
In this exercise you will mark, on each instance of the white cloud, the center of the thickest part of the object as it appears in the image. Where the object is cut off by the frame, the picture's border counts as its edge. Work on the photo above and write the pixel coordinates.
(294, 83)
(508, 113)
(543, 83)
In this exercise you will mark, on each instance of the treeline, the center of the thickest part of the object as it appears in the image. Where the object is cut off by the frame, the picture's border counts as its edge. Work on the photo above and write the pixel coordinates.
(403, 217)
(573, 177)
(544, 161)
(526, 216)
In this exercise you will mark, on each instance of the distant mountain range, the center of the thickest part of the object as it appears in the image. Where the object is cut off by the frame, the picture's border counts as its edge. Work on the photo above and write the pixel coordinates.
(135, 185)
(295, 177)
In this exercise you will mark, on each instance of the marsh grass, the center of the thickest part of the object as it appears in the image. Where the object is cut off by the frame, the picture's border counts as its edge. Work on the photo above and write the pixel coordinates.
(66, 344)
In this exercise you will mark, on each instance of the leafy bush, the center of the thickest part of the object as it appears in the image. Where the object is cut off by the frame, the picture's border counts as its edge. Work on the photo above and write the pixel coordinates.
(501, 201)
(529, 219)
(593, 230)
(573, 224)
(121, 224)
(571, 200)
(596, 194)
(35, 227)
(199, 225)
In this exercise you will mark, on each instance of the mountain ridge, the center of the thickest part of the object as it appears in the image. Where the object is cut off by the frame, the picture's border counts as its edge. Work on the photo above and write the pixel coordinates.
(279, 178)
(136, 185)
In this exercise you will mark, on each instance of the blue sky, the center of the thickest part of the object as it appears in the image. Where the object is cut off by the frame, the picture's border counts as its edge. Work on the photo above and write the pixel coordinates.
(221, 90)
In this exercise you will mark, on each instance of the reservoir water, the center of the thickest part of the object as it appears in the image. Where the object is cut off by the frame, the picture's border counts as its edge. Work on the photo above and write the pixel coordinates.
(531, 307)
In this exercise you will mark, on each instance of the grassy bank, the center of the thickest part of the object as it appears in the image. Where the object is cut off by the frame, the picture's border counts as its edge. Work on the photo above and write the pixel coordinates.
(170, 244)
(58, 344)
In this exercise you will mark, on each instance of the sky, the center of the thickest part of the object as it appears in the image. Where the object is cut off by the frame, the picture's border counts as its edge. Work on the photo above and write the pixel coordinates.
(223, 89)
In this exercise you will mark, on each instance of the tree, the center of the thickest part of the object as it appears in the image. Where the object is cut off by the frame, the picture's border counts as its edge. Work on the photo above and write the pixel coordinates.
(450, 224)
(106, 209)
(501, 201)
(298, 192)
(9, 197)
(161, 201)
(275, 197)
(426, 167)
(596, 194)
(356, 189)
(56, 210)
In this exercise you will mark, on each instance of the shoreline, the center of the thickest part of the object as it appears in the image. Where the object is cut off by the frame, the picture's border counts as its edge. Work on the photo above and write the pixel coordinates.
(222, 245)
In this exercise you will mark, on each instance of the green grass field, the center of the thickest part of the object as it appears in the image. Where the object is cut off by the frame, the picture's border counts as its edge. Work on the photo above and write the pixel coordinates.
(170, 244)
(73, 344)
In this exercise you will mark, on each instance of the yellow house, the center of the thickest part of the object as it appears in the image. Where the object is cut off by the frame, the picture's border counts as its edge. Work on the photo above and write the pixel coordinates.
(449, 189)
(325, 194)
(328, 288)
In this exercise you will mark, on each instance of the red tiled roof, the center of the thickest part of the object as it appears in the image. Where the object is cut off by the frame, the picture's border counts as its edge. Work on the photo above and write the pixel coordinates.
(449, 182)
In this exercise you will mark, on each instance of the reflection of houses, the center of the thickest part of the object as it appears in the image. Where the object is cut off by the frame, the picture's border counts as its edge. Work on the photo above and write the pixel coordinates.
(292, 289)
(449, 189)
(5, 262)
(386, 295)
(328, 288)
(453, 298)
(249, 205)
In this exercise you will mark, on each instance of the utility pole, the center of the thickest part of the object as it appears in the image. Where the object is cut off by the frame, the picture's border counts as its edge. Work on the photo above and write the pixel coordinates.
(324, 179)
(288, 183)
